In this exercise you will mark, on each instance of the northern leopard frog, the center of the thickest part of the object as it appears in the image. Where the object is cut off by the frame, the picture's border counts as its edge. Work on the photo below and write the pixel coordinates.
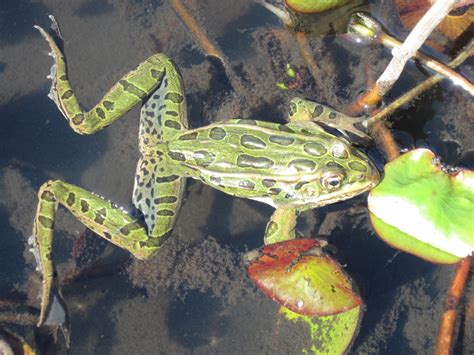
(292, 167)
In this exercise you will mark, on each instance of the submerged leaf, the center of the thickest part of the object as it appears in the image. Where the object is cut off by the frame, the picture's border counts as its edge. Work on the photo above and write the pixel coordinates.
(300, 276)
(314, 6)
(423, 210)
(452, 26)
(329, 334)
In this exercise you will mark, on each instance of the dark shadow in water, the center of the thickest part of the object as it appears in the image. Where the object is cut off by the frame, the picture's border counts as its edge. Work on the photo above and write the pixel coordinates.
(35, 133)
(3, 65)
(99, 318)
(194, 320)
(94, 8)
(237, 39)
(11, 255)
(17, 18)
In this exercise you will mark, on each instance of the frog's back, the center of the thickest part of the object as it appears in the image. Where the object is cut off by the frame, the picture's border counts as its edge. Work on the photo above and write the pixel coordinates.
(261, 160)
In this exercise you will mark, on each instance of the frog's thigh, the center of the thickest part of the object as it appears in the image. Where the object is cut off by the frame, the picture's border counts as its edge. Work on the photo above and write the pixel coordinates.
(281, 226)
(98, 214)
(157, 194)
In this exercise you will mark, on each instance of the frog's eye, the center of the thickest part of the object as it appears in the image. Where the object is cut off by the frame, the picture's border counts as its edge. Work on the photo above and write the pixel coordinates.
(332, 181)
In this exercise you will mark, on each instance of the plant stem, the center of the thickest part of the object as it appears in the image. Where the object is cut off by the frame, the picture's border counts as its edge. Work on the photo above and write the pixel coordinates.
(410, 95)
(211, 49)
(444, 340)
(415, 39)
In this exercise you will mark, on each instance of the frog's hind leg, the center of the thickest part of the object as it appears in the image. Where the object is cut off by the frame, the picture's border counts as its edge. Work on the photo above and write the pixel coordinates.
(164, 113)
(130, 90)
(158, 188)
(95, 212)
(157, 194)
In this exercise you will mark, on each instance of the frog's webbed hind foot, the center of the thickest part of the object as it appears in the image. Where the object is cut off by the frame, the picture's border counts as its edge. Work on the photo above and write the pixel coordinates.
(131, 89)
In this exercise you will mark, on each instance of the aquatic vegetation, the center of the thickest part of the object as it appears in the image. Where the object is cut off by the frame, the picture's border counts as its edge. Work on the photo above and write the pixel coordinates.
(294, 167)
(423, 209)
(314, 6)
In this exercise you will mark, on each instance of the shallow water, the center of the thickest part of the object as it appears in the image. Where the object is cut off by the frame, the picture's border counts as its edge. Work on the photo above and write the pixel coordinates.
(194, 297)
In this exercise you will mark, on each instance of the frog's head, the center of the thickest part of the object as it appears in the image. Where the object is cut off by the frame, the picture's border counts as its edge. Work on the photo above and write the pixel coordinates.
(343, 173)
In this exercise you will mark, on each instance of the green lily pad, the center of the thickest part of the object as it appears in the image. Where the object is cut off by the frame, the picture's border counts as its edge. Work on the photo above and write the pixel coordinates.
(328, 334)
(420, 208)
(300, 276)
(314, 6)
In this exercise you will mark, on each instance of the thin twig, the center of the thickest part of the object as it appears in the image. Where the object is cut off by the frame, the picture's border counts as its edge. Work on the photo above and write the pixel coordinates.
(385, 139)
(410, 95)
(415, 39)
(431, 63)
(211, 49)
(362, 25)
(444, 340)
(308, 58)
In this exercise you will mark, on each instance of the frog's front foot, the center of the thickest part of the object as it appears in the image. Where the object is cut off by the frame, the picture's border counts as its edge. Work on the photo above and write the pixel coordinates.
(298, 275)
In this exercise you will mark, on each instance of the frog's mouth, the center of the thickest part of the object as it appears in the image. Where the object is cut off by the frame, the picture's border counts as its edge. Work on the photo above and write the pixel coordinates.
(345, 193)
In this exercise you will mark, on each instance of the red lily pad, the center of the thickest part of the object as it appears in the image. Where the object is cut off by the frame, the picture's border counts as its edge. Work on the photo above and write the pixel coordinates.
(298, 275)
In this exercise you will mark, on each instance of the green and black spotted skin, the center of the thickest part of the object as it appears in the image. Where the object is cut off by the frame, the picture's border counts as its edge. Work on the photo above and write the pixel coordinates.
(291, 165)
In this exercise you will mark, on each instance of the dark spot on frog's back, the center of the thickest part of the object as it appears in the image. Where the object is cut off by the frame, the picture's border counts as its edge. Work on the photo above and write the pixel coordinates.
(177, 156)
(217, 133)
(252, 142)
(249, 161)
(165, 179)
(304, 165)
(46, 222)
(47, 196)
(334, 165)
(165, 213)
(100, 112)
(285, 128)
(71, 198)
(67, 94)
(173, 124)
(174, 97)
(268, 182)
(100, 216)
(246, 184)
(318, 110)
(165, 199)
(282, 140)
(109, 105)
(357, 166)
(316, 149)
(156, 74)
(84, 206)
(203, 157)
(188, 136)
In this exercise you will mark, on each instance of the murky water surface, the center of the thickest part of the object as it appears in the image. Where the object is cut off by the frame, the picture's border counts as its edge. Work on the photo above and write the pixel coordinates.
(194, 296)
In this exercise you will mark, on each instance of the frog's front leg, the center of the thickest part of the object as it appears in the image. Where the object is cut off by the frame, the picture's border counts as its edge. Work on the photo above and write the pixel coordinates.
(130, 90)
(302, 110)
(281, 226)
(99, 215)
